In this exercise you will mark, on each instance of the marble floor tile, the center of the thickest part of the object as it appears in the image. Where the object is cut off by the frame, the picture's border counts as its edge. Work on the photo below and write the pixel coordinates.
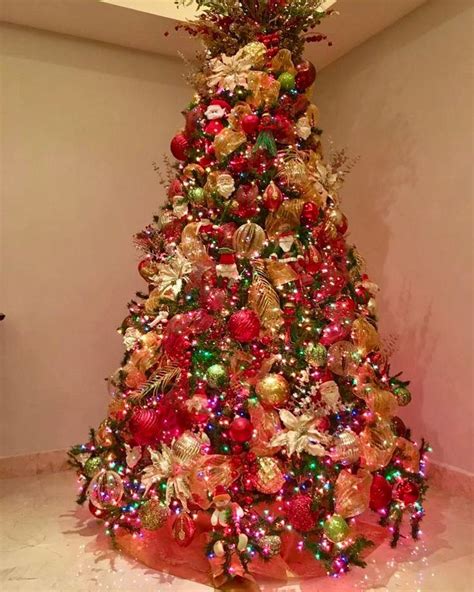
(49, 544)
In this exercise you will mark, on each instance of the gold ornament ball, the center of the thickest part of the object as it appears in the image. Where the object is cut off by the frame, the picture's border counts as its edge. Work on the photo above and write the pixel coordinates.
(187, 448)
(153, 514)
(343, 358)
(346, 447)
(270, 544)
(248, 240)
(269, 478)
(273, 390)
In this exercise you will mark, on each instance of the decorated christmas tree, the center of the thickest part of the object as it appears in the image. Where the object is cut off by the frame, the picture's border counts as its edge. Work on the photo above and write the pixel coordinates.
(253, 421)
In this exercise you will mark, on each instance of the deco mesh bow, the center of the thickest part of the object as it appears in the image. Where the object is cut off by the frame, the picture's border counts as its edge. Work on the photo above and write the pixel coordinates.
(253, 419)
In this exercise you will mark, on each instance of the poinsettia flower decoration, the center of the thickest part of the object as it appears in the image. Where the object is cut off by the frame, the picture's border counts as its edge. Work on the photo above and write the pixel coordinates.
(300, 435)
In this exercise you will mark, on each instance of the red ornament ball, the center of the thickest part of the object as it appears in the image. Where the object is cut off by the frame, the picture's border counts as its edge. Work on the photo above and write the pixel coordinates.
(183, 530)
(144, 426)
(343, 308)
(299, 513)
(244, 325)
(214, 127)
(334, 332)
(179, 146)
(250, 123)
(380, 493)
(241, 430)
(407, 492)
(305, 75)
(310, 213)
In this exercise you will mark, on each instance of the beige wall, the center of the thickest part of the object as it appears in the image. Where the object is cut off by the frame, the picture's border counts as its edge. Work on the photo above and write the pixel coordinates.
(403, 103)
(82, 124)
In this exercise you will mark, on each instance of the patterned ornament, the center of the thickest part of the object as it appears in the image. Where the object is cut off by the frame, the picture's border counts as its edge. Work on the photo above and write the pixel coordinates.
(316, 354)
(299, 513)
(269, 478)
(336, 528)
(217, 376)
(183, 530)
(187, 448)
(153, 514)
(92, 466)
(248, 240)
(197, 195)
(244, 325)
(272, 197)
(287, 81)
(352, 493)
(144, 426)
(346, 448)
(105, 489)
(343, 358)
(179, 146)
(273, 390)
(263, 298)
(403, 395)
(270, 545)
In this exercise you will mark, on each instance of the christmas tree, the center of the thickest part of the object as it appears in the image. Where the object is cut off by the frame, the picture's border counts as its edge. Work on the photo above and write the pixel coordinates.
(253, 420)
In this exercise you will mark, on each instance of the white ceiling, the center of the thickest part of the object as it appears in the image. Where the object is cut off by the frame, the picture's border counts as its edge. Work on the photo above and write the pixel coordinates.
(142, 24)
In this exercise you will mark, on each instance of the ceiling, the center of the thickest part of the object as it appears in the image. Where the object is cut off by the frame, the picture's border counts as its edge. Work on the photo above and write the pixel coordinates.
(142, 24)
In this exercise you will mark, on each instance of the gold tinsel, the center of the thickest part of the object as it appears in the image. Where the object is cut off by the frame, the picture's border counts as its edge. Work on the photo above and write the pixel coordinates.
(282, 62)
(377, 444)
(254, 53)
(264, 300)
(410, 455)
(227, 141)
(380, 401)
(237, 113)
(264, 90)
(365, 336)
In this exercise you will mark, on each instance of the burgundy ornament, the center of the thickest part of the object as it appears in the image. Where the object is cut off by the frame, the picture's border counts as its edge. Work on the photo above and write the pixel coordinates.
(299, 513)
(380, 493)
(250, 123)
(399, 426)
(310, 213)
(213, 127)
(179, 146)
(305, 75)
(144, 426)
(244, 325)
(407, 492)
(183, 530)
(241, 430)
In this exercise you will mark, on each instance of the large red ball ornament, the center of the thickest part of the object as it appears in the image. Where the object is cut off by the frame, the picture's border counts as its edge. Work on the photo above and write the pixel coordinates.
(407, 492)
(299, 513)
(241, 430)
(144, 426)
(305, 75)
(250, 123)
(179, 146)
(343, 308)
(380, 493)
(334, 332)
(244, 325)
(310, 213)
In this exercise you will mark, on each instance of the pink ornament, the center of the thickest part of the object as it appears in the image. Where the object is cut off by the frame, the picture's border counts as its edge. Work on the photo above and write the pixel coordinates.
(244, 325)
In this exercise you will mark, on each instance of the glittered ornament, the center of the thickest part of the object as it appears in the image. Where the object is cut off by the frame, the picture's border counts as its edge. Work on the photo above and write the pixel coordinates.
(248, 240)
(183, 530)
(299, 513)
(343, 358)
(305, 75)
(92, 466)
(153, 514)
(273, 390)
(217, 376)
(179, 146)
(287, 81)
(269, 477)
(336, 528)
(380, 493)
(244, 325)
(315, 354)
(403, 395)
(346, 448)
(241, 430)
(106, 489)
(270, 545)
(196, 195)
(407, 492)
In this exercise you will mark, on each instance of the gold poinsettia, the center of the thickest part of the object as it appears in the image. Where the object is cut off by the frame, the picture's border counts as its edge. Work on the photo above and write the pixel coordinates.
(300, 435)
(172, 275)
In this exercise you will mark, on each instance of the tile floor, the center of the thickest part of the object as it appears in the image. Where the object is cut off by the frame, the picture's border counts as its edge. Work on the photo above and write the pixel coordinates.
(49, 544)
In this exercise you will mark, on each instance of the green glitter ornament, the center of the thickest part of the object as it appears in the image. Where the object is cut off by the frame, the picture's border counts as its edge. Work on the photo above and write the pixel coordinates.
(403, 395)
(196, 195)
(216, 376)
(316, 354)
(92, 466)
(336, 528)
(287, 81)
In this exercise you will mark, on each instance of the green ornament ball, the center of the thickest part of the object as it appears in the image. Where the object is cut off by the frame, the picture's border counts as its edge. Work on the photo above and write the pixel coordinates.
(196, 195)
(287, 81)
(153, 514)
(204, 357)
(403, 395)
(92, 466)
(216, 376)
(336, 528)
(316, 354)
